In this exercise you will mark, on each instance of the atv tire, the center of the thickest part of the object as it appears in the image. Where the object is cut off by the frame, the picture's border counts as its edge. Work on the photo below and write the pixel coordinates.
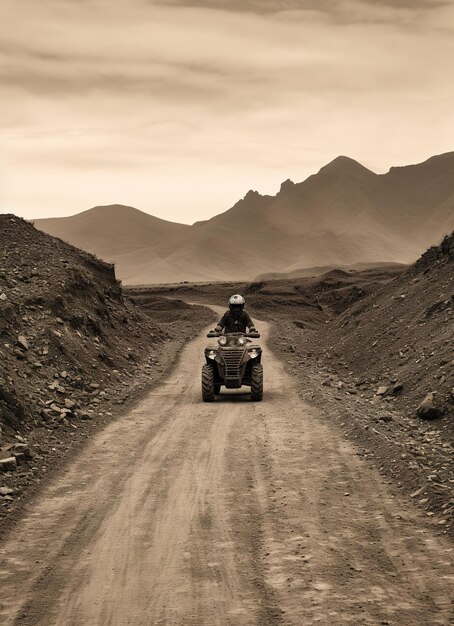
(207, 383)
(217, 390)
(257, 382)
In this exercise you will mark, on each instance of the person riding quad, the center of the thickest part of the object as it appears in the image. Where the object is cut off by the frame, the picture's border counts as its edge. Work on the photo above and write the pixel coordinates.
(236, 320)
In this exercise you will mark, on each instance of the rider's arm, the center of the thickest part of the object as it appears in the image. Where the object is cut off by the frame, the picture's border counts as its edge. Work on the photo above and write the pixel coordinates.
(249, 323)
(221, 324)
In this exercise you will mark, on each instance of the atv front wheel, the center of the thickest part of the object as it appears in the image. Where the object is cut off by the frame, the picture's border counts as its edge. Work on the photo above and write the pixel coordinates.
(207, 383)
(257, 382)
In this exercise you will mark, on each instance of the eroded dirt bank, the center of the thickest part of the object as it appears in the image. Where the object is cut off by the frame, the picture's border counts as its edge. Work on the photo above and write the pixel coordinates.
(73, 352)
(231, 513)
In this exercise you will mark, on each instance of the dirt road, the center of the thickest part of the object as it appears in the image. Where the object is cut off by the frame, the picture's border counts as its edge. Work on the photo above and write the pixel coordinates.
(230, 513)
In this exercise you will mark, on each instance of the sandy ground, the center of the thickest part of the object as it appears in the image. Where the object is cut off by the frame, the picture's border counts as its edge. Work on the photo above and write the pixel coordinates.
(230, 513)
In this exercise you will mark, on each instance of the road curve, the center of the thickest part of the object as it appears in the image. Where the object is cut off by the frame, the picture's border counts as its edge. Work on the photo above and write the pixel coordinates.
(231, 513)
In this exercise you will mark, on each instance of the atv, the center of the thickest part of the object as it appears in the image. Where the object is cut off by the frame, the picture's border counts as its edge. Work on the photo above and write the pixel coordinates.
(233, 363)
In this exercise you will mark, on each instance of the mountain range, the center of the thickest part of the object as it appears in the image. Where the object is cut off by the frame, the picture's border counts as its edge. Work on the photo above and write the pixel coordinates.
(343, 215)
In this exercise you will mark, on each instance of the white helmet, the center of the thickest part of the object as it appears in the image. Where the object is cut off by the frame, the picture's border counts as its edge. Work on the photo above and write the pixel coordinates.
(236, 303)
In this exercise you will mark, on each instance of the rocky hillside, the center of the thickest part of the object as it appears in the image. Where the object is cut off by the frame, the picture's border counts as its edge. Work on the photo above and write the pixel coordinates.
(343, 215)
(379, 362)
(66, 333)
(401, 339)
(72, 347)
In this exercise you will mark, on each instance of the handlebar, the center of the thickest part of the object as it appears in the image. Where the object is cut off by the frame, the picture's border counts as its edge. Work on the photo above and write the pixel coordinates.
(253, 335)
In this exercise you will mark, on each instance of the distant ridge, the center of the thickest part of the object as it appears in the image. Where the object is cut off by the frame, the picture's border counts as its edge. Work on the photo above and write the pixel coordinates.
(341, 216)
(306, 272)
(111, 231)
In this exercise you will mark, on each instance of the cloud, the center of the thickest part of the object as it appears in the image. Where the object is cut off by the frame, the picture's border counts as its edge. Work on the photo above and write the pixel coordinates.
(344, 11)
(252, 6)
(275, 6)
(168, 53)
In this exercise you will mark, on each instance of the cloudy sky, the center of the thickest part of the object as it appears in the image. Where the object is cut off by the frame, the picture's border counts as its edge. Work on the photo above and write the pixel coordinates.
(178, 107)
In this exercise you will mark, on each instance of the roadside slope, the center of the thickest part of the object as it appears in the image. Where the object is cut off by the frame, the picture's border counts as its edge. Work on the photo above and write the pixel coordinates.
(371, 365)
(402, 337)
(72, 348)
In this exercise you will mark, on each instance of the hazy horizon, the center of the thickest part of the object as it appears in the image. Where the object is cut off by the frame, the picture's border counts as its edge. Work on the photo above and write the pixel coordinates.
(178, 107)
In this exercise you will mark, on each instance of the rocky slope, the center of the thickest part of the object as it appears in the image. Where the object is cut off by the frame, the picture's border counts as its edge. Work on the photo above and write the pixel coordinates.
(65, 328)
(372, 365)
(402, 338)
(72, 348)
(343, 215)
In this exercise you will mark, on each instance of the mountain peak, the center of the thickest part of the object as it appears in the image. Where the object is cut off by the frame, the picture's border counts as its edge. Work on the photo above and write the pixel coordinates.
(287, 185)
(252, 194)
(114, 209)
(116, 213)
(344, 165)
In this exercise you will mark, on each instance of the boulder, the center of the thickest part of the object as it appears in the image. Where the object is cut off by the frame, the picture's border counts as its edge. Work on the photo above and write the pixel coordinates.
(22, 342)
(9, 464)
(428, 409)
(21, 448)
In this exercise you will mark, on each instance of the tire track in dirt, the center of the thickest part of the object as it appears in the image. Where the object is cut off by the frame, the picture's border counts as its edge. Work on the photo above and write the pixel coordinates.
(232, 513)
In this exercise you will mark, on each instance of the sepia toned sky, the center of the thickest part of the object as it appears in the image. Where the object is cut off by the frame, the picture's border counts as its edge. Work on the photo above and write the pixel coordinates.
(180, 107)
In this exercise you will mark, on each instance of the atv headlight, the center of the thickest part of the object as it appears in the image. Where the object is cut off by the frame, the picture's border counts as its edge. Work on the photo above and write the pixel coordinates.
(222, 341)
(211, 354)
(253, 354)
(242, 341)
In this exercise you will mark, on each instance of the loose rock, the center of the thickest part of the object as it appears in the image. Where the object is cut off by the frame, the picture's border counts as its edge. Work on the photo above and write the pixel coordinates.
(428, 409)
(397, 388)
(22, 342)
(9, 464)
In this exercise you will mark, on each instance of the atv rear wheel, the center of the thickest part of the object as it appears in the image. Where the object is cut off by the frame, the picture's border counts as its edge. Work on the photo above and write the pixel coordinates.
(257, 382)
(207, 383)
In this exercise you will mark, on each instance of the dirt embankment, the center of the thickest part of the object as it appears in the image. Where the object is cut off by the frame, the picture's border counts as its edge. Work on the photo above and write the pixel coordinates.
(371, 366)
(401, 338)
(73, 349)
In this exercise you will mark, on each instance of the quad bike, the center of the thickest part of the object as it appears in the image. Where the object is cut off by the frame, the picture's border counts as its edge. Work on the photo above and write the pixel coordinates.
(233, 363)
